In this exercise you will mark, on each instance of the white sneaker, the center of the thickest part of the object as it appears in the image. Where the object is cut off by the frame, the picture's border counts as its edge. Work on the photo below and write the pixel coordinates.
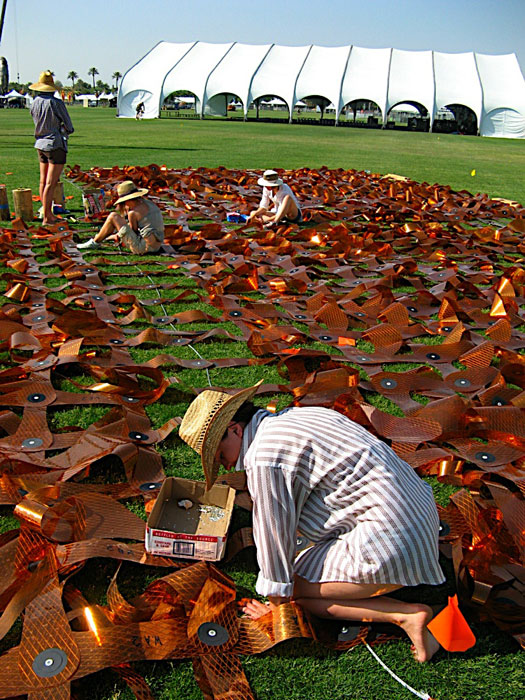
(88, 245)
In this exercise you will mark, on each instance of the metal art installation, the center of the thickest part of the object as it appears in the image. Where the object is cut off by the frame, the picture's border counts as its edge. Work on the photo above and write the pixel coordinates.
(395, 293)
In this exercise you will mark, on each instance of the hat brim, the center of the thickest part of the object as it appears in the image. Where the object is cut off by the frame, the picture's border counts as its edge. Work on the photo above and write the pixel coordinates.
(217, 428)
(43, 87)
(132, 195)
(269, 183)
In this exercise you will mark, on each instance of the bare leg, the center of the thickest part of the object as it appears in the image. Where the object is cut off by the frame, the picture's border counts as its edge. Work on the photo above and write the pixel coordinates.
(366, 603)
(112, 224)
(287, 209)
(54, 170)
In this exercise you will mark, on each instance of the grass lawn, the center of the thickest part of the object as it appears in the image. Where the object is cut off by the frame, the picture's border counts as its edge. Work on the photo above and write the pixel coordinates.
(101, 139)
(493, 669)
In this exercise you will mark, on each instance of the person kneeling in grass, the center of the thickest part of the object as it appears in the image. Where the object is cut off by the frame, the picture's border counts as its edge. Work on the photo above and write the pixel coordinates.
(284, 204)
(372, 522)
(143, 229)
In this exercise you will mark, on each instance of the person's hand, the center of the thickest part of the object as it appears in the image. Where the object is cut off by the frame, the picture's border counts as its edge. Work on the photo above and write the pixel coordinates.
(270, 224)
(254, 609)
(113, 238)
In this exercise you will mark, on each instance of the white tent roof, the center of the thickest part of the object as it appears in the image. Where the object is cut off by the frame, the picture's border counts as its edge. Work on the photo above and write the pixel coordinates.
(14, 93)
(491, 86)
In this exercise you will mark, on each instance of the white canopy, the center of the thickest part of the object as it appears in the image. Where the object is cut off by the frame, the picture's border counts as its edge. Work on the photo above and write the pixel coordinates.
(105, 96)
(492, 87)
(14, 93)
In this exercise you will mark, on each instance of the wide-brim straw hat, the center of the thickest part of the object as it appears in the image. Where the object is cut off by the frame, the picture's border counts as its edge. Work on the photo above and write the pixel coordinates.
(205, 423)
(129, 190)
(45, 83)
(270, 178)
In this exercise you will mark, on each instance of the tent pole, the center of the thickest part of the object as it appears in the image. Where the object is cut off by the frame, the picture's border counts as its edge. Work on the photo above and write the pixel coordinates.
(2, 18)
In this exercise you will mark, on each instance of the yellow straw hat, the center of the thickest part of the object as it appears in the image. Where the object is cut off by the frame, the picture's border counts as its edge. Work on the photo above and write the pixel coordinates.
(45, 83)
(129, 190)
(205, 423)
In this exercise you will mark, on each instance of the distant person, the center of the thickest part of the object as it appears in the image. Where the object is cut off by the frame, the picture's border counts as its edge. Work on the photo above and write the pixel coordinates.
(139, 110)
(52, 128)
(137, 224)
(278, 203)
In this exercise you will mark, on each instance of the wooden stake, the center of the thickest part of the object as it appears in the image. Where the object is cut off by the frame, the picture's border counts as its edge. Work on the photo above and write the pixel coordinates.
(5, 214)
(58, 195)
(23, 204)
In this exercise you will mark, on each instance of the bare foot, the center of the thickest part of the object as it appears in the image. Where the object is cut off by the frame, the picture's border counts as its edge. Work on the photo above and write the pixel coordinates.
(424, 646)
(50, 222)
(254, 609)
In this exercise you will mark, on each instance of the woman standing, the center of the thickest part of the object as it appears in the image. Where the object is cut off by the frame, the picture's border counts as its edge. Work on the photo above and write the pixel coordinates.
(52, 128)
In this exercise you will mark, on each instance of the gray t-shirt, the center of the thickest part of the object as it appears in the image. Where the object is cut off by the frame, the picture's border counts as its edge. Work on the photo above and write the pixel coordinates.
(52, 122)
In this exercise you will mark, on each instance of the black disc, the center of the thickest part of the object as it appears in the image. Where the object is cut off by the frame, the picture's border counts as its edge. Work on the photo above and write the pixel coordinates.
(212, 634)
(134, 435)
(49, 662)
(348, 633)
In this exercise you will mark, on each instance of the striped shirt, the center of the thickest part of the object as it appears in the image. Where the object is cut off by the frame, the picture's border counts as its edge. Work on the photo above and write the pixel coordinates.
(52, 122)
(370, 517)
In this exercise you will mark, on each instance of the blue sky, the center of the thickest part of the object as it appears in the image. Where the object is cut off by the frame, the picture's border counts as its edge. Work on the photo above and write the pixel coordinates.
(112, 35)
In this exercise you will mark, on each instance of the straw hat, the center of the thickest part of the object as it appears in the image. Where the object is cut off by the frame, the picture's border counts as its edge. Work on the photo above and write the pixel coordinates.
(45, 83)
(205, 423)
(129, 190)
(270, 178)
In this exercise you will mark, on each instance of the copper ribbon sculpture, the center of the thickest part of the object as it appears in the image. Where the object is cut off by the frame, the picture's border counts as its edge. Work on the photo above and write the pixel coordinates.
(398, 294)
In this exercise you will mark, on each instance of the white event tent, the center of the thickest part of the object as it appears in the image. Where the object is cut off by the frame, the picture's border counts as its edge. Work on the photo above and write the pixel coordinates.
(490, 88)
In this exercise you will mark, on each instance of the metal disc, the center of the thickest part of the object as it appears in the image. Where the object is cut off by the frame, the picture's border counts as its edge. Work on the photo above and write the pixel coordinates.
(212, 634)
(150, 485)
(49, 662)
(134, 435)
(32, 442)
(348, 633)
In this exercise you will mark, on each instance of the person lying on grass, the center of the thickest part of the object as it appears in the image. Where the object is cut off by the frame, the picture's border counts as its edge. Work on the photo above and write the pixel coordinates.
(372, 522)
(137, 224)
(284, 204)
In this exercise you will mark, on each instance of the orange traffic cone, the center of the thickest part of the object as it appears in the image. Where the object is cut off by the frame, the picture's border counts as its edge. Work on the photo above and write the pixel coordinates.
(451, 629)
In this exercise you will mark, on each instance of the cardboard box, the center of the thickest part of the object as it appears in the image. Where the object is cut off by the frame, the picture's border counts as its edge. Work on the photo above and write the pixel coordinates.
(197, 533)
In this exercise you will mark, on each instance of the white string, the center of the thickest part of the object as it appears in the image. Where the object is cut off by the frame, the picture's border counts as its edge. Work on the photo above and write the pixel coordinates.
(423, 696)
(172, 325)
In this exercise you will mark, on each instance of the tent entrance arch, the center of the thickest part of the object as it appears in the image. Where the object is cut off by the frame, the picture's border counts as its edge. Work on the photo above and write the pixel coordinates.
(464, 120)
(363, 112)
(271, 108)
(418, 122)
(183, 102)
(222, 104)
(317, 101)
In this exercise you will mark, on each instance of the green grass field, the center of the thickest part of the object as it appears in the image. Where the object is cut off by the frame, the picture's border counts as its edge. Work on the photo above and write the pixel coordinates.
(101, 139)
(493, 669)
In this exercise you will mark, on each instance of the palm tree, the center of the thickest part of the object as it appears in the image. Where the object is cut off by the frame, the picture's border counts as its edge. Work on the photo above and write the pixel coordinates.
(92, 72)
(116, 77)
(72, 76)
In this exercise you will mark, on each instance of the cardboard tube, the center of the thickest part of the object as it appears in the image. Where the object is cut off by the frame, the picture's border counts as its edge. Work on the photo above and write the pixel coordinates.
(58, 194)
(5, 214)
(23, 204)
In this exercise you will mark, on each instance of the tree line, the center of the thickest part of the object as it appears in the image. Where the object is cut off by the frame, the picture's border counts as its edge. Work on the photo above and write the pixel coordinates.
(78, 85)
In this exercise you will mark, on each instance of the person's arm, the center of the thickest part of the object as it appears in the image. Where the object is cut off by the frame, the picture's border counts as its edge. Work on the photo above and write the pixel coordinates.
(274, 530)
(63, 115)
(133, 219)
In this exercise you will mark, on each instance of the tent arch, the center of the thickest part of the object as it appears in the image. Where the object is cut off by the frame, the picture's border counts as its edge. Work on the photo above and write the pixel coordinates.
(217, 105)
(342, 75)
(356, 103)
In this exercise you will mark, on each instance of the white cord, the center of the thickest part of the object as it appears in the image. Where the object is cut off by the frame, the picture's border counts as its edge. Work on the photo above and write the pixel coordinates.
(423, 696)
(172, 325)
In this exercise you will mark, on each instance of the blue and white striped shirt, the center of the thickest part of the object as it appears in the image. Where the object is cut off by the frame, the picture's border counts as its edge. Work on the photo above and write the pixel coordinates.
(370, 517)
(52, 122)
